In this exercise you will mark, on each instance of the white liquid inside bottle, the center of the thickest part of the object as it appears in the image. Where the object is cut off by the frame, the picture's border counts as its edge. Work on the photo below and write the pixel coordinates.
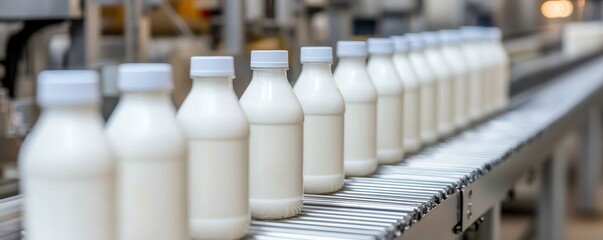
(67, 165)
(275, 138)
(428, 101)
(488, 83)
(151, 151)
(411, 87)
(502, 75)
(360, 120)
(470, 50)
(454, 58)
(324, 109)
(444, 78)
(389, 88)
(217, 132)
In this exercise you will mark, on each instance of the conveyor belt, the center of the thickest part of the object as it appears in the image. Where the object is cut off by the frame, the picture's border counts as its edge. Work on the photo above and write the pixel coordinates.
(445, 188)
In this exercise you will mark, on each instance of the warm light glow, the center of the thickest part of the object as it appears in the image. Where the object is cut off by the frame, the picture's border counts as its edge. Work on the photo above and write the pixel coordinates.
(557, 8)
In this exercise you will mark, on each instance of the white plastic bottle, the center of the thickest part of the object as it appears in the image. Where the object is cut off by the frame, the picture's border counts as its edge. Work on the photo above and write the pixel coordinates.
(428, 101)
(324, 108)
(411, 104)
(454, 58)
(471, 53)
(360, 120)
(67, 165)
(151, 150)
(488, 59)
(502, 78)
(389, 88)
(445, 78)
(217, 132)
(275, 138)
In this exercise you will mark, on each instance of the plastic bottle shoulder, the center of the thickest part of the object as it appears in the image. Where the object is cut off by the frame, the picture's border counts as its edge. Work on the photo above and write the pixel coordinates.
(145, 131)
(384, 76)
(271, 101)
(66, 148)
(212, 115)
(318, 93)
(355, 84)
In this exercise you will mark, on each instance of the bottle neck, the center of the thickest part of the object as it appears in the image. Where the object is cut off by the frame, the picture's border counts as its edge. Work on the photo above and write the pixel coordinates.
(401, 53)
(317, 67)
(381, 56)
(155, 97)
(270, 74)
(353, 61)
(212, 83)
(84, 111)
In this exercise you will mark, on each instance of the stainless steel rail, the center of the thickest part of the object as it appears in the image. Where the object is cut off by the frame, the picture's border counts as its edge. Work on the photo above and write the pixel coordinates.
(443, 190)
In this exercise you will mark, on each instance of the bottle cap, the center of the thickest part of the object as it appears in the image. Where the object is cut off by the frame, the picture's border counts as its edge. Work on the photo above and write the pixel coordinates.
(472, 33)
(430, 38)
(380, 45)
(351, 49)
(144, 77)
(316, 54)
(401, 44)
(415, 40)
(212, 66)
(68, 87)
(450, 36)
(495, 33)
(269, 59)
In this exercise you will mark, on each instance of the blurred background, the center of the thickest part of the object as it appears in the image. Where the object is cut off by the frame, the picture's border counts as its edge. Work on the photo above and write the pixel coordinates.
(542, 38)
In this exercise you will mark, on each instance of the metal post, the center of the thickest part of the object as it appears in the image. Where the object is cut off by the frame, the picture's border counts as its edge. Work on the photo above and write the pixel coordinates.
(551, 202)
(340, 22)
(84, 37)
(233, 35)
(490, 228)
(133, 30)
(233, 31)
(590, 163)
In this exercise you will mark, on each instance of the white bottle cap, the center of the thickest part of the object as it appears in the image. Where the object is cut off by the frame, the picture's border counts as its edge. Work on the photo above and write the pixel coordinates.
(269, 59)
(68, 87)
(449, 36)
(212, 66)
(401, 44)
(415, 40)
(494, 33)
(144, 77)
(472, 33)
(316, 55)
(380, 45)
(109, 81)
(430, 39)
(351, 49)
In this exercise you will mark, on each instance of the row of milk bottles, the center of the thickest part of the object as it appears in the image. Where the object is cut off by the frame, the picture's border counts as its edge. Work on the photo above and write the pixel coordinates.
(200, 172)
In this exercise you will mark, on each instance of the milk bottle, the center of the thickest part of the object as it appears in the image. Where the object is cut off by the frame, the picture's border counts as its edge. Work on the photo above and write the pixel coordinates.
(411, 104)
(427, 93)
(151, 155)
(360, 119)
(488, 60)
(67, 165)
(502, 72)
(383, 73)
(275, 138)
(217, 133)
(470, 50)
(324, 108)
(454, 59)
(444, 78)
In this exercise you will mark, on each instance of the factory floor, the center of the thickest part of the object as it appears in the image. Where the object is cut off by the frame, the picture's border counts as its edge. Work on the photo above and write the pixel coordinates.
(519, 224)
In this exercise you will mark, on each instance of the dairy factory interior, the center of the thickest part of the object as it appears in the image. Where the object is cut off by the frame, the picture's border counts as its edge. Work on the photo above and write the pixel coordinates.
(309, 119)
